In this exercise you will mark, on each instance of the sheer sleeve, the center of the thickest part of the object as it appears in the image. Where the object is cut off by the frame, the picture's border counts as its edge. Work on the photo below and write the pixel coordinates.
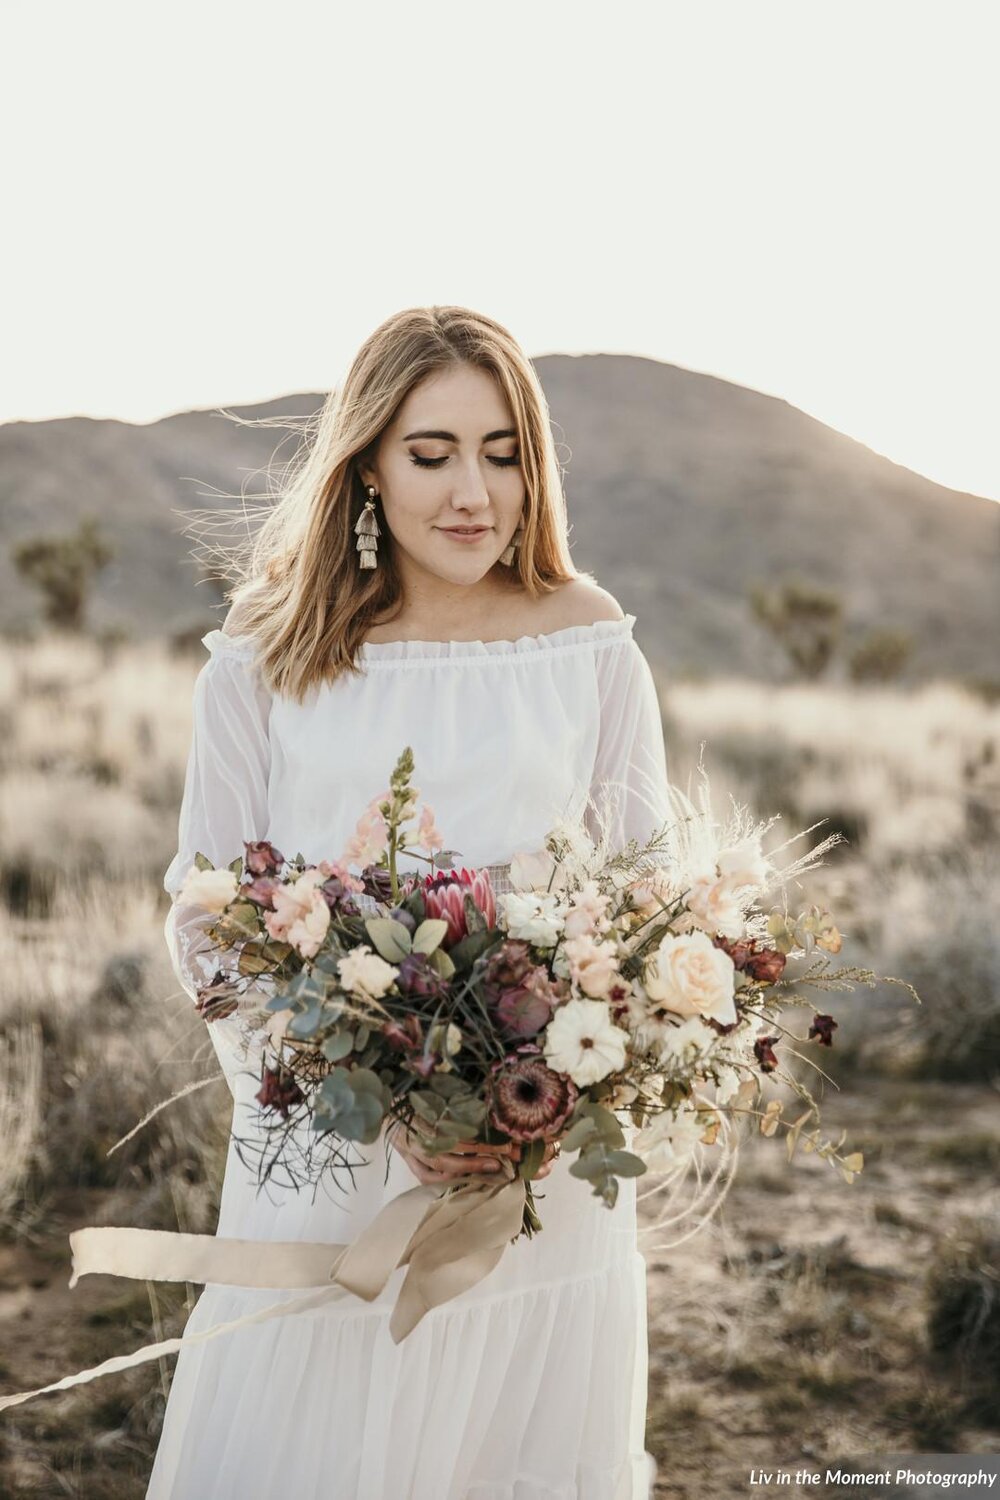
(225, 801)
(629, 797)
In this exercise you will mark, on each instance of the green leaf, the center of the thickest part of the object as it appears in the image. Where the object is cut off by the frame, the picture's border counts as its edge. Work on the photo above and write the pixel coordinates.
(337, 1046)
(429, 935)
(625, 1164)
(390, 938)
(353, 1102)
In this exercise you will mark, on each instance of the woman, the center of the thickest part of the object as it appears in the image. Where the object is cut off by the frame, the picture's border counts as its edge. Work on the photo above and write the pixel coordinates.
(519, 685)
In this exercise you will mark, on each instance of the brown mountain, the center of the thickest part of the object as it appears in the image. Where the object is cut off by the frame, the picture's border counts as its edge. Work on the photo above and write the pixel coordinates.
(683, 491)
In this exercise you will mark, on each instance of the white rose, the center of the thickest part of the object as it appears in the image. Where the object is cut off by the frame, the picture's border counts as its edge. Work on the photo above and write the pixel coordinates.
(689, 975)
(211, 889)
(712, 901)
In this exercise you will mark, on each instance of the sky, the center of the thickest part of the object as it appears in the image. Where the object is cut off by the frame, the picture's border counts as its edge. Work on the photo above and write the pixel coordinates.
(213, 204)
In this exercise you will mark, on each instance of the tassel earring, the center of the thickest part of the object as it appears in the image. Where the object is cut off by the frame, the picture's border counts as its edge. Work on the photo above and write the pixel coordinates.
(507, 555)
(367, 532)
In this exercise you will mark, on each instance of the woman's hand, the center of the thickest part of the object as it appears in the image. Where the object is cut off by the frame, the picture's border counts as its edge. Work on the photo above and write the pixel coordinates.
(467, 1156)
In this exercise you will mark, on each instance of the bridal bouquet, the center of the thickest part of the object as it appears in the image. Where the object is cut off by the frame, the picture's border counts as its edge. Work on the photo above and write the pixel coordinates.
(644, 990)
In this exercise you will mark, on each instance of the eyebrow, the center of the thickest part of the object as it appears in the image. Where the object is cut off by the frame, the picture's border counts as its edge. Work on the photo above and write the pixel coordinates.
(449, 437)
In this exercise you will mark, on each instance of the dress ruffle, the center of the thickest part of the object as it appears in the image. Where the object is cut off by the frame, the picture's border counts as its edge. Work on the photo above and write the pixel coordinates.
(515, 1399)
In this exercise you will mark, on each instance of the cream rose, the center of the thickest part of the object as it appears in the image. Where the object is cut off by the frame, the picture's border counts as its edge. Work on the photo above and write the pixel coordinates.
(211, 889)
(690, 976)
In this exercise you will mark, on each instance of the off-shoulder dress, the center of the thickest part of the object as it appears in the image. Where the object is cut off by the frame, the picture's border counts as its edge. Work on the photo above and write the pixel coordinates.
(533, 1384)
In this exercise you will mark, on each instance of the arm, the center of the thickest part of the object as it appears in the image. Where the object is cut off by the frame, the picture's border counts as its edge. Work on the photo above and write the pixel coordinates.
(224, 802)
(629, 781)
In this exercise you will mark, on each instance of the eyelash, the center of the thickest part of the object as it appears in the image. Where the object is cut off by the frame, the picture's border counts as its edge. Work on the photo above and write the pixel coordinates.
(435, 463)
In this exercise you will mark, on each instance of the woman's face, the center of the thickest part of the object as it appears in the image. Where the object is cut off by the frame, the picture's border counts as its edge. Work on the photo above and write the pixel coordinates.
(449, 458)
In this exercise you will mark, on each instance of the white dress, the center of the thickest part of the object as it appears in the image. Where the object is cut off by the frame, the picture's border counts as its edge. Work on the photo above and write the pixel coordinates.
(532, 1385)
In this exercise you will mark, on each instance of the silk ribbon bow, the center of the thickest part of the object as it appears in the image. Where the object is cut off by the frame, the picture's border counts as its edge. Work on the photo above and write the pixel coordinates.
(449, 1242)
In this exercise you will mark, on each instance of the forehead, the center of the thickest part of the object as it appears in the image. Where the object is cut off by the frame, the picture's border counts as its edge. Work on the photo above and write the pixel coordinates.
(465, 400)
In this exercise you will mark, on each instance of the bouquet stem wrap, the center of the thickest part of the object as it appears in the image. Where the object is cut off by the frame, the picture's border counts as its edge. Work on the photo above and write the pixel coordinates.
(448, 1242)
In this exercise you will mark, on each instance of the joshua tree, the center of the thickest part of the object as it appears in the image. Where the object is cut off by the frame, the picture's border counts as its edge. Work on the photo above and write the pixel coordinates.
(63, 569)
(804, 619)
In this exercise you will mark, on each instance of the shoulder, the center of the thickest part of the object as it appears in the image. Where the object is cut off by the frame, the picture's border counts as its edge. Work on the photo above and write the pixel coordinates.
(581, 602)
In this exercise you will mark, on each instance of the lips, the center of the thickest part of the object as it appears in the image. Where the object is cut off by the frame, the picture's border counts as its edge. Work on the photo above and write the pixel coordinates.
(464, 530)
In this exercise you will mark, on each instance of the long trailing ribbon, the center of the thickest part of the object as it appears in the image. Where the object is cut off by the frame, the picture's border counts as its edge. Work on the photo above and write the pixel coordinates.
(448, 1242)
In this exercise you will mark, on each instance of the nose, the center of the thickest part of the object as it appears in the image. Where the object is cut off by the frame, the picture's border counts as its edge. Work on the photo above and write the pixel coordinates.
(470, 494)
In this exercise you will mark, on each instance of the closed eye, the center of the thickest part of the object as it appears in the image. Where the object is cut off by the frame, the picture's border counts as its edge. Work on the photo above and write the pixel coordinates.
(435, 463)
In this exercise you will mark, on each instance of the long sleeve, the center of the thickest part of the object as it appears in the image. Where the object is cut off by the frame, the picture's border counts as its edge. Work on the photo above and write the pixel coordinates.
(629, 797)
(225, 801)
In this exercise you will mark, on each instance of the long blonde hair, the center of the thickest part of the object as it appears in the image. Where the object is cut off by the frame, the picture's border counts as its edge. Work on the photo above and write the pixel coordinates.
(300, 592)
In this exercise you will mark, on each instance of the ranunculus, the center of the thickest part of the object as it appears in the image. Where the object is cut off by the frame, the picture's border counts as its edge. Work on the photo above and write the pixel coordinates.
(587, 912)
(593, 965)
(365, 973)
(689, 975)
(713, 903)
(583, 1041)
(210, 889)
(301, 915)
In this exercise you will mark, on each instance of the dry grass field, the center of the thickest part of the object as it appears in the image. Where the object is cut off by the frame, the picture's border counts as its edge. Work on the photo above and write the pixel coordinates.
(809, 1319)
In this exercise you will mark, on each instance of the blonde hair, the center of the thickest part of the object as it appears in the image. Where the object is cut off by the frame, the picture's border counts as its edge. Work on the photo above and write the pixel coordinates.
(300, 592)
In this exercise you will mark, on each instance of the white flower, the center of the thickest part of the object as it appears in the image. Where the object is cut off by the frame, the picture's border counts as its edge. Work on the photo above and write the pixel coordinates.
(689, 975)
(365, 974)
(533, 917)
(689, 1042)
(210, 889)
(587, 912)
(669, 1139)
(744, 864)
(583, 1041)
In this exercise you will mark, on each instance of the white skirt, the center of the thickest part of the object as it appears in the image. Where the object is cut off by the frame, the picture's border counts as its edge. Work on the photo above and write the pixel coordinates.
(530, 1386)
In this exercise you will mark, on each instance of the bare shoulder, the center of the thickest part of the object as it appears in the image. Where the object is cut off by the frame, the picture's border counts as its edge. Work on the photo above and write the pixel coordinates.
(581, 602)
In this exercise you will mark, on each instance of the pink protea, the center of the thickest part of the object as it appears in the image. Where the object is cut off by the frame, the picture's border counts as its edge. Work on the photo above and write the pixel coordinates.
(528, 1101)
(443, 898)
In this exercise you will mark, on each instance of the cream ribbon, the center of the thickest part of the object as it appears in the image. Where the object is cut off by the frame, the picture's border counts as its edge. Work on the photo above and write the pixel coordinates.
(449, 1243)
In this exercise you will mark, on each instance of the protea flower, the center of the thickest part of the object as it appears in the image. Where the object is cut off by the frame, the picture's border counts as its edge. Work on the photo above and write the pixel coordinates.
(443, 898)
(529, 1102)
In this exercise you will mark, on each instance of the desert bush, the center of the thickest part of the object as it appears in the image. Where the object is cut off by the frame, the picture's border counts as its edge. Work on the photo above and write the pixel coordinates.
(962, 1299)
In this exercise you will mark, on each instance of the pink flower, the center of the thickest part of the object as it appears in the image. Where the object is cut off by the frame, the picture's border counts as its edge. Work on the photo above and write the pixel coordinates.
(443, 898)
(301, 915)
(370, 837)
(428, 837)
(530, 1102)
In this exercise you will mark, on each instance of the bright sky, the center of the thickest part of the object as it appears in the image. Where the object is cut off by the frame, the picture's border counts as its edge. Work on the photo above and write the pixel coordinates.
(213, 203)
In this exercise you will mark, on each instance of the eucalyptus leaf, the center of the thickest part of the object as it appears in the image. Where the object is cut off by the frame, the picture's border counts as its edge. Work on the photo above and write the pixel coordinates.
(389, 937)
(429, 935)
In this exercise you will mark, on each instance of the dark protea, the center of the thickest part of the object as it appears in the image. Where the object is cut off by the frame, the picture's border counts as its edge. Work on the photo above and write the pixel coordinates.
(279, 1091)
(217, 999)
(527, 1100)
(444, 898)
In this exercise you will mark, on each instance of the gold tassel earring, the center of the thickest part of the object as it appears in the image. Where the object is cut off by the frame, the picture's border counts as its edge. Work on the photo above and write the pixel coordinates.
(507, 555)
(367, 532)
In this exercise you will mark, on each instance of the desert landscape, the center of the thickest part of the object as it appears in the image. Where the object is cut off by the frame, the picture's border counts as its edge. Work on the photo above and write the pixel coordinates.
(810, 1318)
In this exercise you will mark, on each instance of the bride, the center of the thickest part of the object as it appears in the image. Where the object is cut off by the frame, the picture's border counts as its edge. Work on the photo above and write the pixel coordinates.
(457, 624)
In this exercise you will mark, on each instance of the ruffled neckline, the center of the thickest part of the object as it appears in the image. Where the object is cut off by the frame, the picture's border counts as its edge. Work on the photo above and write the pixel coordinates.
(547, 643)
(379, 653)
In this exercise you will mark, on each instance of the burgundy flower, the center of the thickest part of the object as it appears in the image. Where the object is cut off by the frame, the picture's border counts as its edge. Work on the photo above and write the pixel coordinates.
(766, 965)
(261, 890)
(822, 1027)
(527, 1100)
(507, 966)
(418, 976)
(765, 1055)
(444, 898)
(407, 1034)
(262, 858)
(739, 951)
(279, 1090)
